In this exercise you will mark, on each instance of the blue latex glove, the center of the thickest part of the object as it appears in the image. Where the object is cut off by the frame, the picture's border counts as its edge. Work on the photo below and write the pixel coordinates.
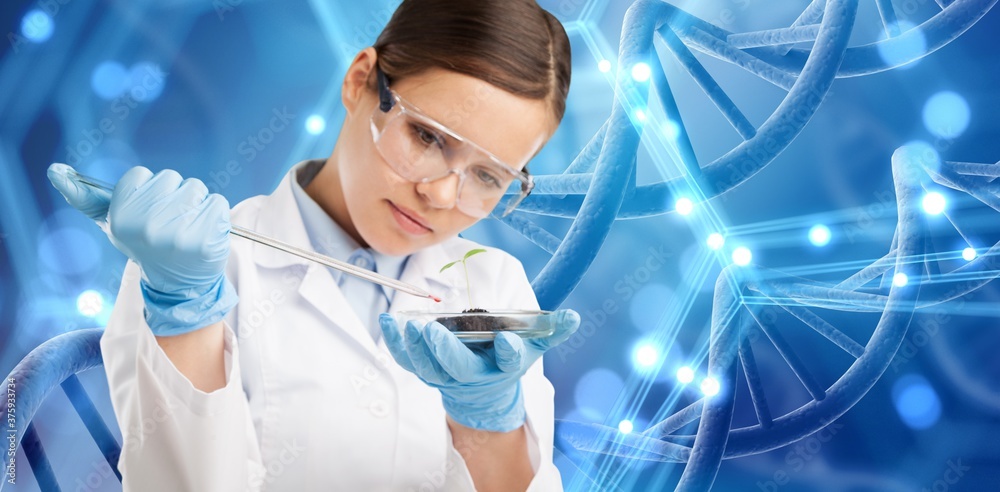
(480, 387)
(175, 231)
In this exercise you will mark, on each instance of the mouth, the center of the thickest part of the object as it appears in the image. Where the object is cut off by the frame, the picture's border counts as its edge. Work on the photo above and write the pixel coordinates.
(409, 220)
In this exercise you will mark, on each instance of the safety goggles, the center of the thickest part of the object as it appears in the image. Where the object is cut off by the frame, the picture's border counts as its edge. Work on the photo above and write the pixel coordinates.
(421, 150)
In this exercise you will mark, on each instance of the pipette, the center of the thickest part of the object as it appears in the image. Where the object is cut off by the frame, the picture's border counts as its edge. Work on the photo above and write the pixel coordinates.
(294, 250)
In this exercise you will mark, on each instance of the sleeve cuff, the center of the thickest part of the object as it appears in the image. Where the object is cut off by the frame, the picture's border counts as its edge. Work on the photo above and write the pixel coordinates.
(198, 401)
(128, 343)
(534, 447)
(458, 476)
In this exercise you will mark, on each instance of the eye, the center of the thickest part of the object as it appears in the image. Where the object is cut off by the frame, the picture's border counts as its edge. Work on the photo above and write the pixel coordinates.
(426, 136)
(486, 177)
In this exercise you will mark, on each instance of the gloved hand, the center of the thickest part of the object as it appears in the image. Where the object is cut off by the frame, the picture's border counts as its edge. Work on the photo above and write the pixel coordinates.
(480, 388)
(175, 231)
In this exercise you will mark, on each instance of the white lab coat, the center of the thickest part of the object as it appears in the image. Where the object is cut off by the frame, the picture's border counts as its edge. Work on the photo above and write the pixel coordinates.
(311, 402)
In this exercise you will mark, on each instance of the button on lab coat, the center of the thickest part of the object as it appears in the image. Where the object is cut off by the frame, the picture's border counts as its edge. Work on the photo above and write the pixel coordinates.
(311, 401)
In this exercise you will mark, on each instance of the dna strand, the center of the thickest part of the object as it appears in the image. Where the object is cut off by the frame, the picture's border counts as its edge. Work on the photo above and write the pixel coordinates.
(741, 293)
(966, 358)
(599, 187)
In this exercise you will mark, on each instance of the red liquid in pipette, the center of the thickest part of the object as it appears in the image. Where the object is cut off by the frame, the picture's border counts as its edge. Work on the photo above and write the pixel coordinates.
(436, 299)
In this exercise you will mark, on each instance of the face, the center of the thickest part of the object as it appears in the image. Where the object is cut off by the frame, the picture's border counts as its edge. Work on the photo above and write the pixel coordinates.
(382, 210)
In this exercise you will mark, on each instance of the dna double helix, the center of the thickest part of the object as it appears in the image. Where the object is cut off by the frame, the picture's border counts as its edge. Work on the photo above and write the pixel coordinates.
(599, 187)
(742, 293)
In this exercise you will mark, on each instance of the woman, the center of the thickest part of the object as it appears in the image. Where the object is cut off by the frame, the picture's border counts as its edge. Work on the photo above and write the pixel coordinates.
(236, 367)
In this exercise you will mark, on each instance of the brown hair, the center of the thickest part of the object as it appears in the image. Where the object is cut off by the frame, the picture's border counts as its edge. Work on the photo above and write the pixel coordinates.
(512, 44)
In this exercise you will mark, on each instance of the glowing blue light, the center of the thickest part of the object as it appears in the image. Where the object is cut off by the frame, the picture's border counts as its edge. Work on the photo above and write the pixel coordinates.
(684, 206)
(145, 81)
(109, 79)
(946, 114)
(685, 375)
(315, 124)
(604, 66)
(671, 130)
(715, 241)
(911, 45)
(645, 356)
(37, 26)
(90, 303)
(641, 72)
(916, 402)
(710, 386)
(900, 280)
(640, 115)
(819, 235)
(625, 426)
(742, 256)
(969, 254)
(934, 203)
(671, 359)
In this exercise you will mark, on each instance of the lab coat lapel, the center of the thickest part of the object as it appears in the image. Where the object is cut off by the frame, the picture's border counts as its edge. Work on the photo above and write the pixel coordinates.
(279, 217)
(321, 290)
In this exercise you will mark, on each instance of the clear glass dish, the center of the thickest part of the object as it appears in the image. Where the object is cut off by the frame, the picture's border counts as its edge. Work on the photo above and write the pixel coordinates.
(479, 326)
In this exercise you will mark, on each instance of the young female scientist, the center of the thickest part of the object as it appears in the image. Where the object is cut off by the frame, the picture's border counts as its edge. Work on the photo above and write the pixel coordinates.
(301, 385)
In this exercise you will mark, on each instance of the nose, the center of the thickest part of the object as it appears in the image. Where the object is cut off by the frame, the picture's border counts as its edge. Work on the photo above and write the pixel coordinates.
(442, 192)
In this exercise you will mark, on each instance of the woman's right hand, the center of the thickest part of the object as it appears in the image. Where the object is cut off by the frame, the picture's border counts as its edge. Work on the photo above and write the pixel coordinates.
(176, 232)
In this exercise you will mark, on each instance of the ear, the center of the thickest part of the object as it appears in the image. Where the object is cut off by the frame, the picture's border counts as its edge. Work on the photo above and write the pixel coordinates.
(358, 79)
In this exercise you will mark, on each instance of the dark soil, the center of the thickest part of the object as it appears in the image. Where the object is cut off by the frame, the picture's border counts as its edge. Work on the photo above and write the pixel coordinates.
(481, 323)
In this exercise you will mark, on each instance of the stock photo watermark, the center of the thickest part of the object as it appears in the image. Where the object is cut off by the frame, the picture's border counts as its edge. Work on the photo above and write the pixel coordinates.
(368, 376)
(950, 477)
(277, 466)
(101, 472)
(149, 80)
(10, 464)
(438, 477)
(37, 22)
(927, 328)
(137, 433)
(770, 141)
(797, 458)
(366, 33)
(219, 179)
(224, 7)
(885, 200)
(626, 286)
(263, 307)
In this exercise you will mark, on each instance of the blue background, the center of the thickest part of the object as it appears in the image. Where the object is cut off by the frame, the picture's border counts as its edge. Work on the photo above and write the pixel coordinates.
(227, 71)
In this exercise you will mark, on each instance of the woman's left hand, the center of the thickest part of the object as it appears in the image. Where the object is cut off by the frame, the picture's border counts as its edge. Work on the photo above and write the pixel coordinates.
(480, 388)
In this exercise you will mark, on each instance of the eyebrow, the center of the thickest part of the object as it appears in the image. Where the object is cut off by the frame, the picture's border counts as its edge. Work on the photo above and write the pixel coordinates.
(426, 114)
(422, 112)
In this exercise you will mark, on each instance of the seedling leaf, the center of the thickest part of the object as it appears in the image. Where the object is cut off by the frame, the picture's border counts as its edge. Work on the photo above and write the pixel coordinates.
(468, 283)
(472, 252)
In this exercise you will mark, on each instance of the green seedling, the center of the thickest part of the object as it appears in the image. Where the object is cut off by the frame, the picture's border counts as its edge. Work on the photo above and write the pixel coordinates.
(468, 284)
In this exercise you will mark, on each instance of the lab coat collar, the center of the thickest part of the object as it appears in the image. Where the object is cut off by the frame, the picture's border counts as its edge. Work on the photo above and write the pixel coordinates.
(279, 217)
